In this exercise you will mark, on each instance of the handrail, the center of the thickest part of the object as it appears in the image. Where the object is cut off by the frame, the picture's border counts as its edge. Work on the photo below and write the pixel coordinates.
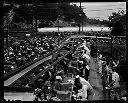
(119, 36)
(22, 76)
(32, 81)
(24, 66)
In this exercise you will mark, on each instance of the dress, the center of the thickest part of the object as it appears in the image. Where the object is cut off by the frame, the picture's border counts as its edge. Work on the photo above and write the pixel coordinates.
(95, 79)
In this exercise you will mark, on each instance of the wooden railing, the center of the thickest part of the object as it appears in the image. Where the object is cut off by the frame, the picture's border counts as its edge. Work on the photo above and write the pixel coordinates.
(45, 70)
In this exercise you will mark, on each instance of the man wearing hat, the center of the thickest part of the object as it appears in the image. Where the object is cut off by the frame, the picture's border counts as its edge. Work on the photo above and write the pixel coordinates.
(115, 78)
(57, 86)
(115, 82)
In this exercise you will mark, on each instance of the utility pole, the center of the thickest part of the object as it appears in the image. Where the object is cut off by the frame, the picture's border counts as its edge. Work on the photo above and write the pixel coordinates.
(8, 22)
(80, 18)
(82, 27)
(58, 23)
(58, 17)
(111, 44)
(35, 17)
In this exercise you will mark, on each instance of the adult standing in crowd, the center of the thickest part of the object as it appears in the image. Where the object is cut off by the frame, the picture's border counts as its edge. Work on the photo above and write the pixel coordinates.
(115, 84)
(83, 88)
(95, 79)
(57, 86)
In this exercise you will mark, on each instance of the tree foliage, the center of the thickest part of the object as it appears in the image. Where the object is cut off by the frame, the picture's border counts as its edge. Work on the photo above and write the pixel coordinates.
(120, 16)
(118, 22)
(47, 12)
(93, 22)
(72, 12)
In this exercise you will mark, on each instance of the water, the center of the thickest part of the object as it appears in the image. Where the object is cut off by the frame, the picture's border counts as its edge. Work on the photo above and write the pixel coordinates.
(73, 29)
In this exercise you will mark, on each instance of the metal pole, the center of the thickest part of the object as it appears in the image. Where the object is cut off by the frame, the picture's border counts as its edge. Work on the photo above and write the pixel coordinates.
(41, 41)
(96, 45)
(36, 26)
(83, 21)
(79, 18)
(7, 37)
(58, 15)
(58, 29)
(82, 26)
(58, 19)
(36, 19)
(111, 44)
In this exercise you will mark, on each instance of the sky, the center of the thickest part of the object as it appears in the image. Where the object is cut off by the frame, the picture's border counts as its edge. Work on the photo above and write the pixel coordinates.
(101, 10)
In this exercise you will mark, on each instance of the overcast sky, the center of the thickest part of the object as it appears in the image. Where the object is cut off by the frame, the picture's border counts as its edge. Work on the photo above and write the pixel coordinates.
(101, 10)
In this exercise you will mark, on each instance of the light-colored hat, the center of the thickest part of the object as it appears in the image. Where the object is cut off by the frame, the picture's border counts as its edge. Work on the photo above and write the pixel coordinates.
(100, 56)
(77, 76)
(58, 77)
(86, 56)
(81, 62)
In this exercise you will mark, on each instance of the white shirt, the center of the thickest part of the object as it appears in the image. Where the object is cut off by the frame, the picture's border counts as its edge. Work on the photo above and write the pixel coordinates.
(116, 78)
(86, 56)
(100, 66)
(84, 82)
(86, 86)
(86, 48)
(83, 92)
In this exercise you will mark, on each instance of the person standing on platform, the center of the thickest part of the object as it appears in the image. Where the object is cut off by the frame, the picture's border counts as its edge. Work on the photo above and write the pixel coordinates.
(57, 86)
(115, 82)
(84, 89)
(87, 72)
(94, 77)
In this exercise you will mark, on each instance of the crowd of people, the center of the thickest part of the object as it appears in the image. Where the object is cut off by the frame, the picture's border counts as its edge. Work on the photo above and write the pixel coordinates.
(98, 33)
(57, 73)
(119, 41)
(115, 40)
(24, 51)
(77, 63)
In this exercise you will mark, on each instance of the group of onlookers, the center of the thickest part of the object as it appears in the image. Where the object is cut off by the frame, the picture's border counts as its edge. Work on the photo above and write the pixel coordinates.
(74, 63)
(24, 51)
(70, 65)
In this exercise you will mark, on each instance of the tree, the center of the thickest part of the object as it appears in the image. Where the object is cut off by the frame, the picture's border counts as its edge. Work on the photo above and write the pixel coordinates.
(26, 12)
(71, 12)
(118, 22)
(46, 12)
(118, 29)
(116, 17)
